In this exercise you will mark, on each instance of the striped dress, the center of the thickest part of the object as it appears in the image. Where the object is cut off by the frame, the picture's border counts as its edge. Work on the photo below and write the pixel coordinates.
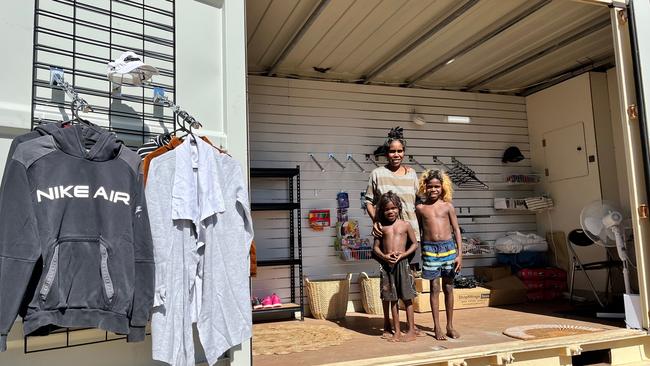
(405, 187)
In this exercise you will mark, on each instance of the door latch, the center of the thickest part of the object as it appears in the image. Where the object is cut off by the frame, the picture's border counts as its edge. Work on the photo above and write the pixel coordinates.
(643, 211)
(632, 111)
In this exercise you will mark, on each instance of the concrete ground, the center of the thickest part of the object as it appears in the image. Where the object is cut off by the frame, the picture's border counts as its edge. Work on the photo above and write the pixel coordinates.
(480, 326)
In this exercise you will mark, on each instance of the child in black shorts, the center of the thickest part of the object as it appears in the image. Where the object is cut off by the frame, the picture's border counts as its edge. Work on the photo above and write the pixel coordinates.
(397, 282)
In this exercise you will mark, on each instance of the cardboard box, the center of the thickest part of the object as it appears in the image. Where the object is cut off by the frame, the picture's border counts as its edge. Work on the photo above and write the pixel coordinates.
(492, 273)
(464, 298)
(507, 290)
(422, 285)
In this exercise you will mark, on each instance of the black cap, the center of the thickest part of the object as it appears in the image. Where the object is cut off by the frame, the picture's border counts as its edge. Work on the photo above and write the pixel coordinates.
(512, 155)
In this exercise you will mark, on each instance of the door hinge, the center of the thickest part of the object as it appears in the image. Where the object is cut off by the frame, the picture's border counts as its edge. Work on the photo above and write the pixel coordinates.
(632, 111)
(546, 172)
(622, 15)
(643, 211)
(543, 142)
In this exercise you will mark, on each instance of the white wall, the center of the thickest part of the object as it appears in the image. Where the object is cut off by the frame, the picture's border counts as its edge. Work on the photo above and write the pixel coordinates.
(16, 25)
(581, 99)
(291, 118)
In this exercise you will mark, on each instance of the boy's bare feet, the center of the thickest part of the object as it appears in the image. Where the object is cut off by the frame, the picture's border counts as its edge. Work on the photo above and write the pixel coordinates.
(437, 332)
(388, 331)
(419, 333)
(397, 337)
(409, 337)
(452, 333)
(387, 334)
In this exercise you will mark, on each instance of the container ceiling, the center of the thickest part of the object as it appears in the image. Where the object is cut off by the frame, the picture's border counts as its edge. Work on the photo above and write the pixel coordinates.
(501, 46)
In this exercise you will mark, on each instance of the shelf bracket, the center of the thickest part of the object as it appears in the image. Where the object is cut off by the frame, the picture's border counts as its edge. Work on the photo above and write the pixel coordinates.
(368, 158)
(412, 160)
(332, 157)
(317, 163)
(350, 157)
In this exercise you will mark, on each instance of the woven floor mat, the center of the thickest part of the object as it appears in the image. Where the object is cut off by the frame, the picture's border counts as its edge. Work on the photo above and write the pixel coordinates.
(293, 337)
(539, 331)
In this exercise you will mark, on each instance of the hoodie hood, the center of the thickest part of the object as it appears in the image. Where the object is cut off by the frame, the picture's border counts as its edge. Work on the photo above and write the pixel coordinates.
(48, 128)
(86, 142)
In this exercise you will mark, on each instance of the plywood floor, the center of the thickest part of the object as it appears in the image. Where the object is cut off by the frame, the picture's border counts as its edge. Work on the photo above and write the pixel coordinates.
(480, 326)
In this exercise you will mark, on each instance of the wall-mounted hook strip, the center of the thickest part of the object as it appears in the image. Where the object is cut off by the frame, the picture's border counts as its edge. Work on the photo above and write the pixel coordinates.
(412, 160)
(159, 97)
(355, 163)
(317, 163)
(57, 79)
(331, 156)
(368, 158)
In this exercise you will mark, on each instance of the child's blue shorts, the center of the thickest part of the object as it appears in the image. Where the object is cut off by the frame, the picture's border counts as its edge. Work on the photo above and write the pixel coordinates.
(438, 259)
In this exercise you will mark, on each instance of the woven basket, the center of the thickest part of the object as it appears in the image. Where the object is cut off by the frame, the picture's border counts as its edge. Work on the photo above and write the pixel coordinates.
(370, 294)
(328, 299)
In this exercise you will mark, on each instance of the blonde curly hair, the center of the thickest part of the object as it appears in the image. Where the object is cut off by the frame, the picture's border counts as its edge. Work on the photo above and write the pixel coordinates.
(430, 174)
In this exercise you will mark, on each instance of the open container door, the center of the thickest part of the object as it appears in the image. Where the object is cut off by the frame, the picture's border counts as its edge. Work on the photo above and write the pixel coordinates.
(629, 54)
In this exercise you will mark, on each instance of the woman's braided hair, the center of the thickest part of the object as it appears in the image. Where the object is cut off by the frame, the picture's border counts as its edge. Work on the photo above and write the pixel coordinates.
(395, 134)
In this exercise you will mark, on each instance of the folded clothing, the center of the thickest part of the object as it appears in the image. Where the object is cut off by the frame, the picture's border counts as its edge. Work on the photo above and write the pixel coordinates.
(515, 242)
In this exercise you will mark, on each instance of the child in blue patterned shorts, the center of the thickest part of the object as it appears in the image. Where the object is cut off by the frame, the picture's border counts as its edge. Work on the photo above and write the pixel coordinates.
(441, 255)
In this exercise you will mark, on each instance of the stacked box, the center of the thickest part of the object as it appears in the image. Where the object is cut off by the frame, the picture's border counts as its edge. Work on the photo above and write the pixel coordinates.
(464, 298)
(543, 284)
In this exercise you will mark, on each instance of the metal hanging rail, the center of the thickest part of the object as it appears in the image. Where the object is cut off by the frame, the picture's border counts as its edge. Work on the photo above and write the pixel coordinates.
(351, 158)
(160, 98)
(332, 157)
(412, 160)
(78, 103)
(370, 159)
(316, 162)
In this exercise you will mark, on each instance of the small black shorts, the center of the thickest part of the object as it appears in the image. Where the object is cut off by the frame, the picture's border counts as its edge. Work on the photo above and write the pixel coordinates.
(397, 282)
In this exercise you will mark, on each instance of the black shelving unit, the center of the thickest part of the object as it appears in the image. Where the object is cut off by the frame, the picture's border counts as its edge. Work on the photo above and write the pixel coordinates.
(294, 259)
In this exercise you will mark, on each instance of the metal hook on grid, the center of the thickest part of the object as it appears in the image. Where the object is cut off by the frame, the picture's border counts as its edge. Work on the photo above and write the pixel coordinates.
(159, 97)
(350, 157)
(368, 158)
(412, 160)
(316, 162)
(78, 103)
(332, 157)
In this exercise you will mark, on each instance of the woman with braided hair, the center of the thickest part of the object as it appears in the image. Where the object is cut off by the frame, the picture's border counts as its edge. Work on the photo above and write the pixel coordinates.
(401, 180)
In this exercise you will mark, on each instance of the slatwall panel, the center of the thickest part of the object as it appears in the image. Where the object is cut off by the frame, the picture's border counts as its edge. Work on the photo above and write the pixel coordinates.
(291, 118)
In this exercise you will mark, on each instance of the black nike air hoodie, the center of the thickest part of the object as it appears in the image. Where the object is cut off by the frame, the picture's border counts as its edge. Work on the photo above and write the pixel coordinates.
(75, 241)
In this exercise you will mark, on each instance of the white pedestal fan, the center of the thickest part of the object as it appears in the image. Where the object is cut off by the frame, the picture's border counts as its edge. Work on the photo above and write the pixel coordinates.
(601, 222)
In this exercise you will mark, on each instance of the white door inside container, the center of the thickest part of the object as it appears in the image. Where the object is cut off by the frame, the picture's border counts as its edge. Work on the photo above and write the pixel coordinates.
(565, 153)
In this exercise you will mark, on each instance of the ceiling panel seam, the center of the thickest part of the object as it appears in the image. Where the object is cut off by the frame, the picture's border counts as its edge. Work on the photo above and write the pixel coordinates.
(410, 82)
(275, 36)
(331, 27)
(351, 31)
(298, 35)
(423, 38)
(257, 26)
(379, 26)
(567, 74)
(547, 49)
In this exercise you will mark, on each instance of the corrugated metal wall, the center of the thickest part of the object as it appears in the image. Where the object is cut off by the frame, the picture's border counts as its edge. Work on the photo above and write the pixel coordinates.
(289, 119)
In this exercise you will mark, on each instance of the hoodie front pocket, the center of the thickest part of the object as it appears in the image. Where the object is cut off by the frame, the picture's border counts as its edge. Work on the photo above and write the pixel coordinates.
(51, 272)
(78, 275)
(106, 276)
